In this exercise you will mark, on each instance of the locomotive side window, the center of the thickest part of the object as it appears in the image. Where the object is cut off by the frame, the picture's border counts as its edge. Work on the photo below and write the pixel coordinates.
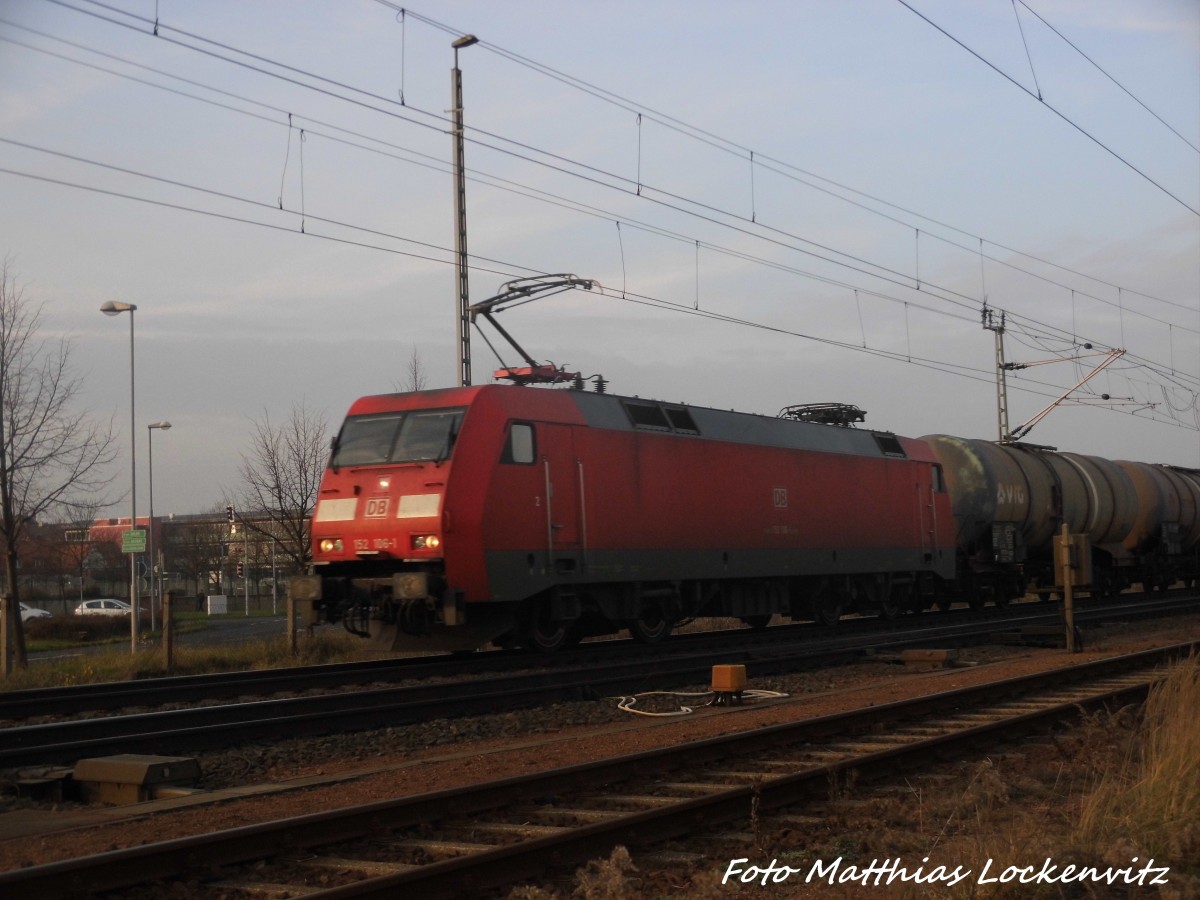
(520, 448)
(939, 480)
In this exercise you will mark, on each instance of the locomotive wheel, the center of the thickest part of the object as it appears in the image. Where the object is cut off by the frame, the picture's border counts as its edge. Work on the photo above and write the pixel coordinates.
(546, 634)
(890, 607)
(546, 637)
(827, 610)
(651, 626)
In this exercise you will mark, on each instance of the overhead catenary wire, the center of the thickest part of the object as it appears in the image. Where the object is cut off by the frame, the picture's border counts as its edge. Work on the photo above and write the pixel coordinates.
(1028, 55)
(698, 243)
(900, 277)
(764, 161)
(590, 89)
(1099, 68)
(1091, 137)
(934, 365)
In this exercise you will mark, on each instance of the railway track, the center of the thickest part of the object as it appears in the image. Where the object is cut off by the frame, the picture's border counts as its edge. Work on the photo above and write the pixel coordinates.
(109, 697)
(204, 727)
(461, 841)
(153, 692)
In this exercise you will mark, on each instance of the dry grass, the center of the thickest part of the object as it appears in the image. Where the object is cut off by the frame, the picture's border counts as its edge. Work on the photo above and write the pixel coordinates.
(116, 663)
(1148, 803)
(1114, 787)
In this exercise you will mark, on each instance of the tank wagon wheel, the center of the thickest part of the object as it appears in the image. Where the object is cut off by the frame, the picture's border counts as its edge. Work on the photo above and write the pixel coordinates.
(758, 623)
(1105, 586)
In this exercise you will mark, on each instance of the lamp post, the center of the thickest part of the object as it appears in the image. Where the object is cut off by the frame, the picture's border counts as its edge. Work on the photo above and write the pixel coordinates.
(163, 426)
(460, 215)
(114, 308)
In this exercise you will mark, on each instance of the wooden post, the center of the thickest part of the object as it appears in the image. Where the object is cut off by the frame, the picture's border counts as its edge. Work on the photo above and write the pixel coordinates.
(168, 629)
(1068, 589)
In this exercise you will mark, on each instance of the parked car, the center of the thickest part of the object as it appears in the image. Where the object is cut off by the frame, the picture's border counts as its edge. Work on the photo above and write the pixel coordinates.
(32, 612)
(103, 607)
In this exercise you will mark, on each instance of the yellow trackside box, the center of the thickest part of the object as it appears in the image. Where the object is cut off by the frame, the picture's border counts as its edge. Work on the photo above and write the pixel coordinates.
(729, 679)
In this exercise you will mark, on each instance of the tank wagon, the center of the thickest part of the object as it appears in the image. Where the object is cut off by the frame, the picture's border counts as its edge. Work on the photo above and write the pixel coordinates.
(450, 518)
(1010, 500)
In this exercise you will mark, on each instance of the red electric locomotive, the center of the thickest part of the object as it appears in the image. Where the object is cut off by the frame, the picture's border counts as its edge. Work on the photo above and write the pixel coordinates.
(450, 518)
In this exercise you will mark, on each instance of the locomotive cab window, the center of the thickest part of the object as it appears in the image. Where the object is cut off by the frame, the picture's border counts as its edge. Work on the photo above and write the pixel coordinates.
(418, 436)
(939, 479)
(365, 440)
(427, 435)
(520, 448)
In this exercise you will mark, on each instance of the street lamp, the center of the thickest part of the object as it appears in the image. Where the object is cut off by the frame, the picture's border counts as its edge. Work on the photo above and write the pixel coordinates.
(113, 308)
(460, 215)
(163, 426)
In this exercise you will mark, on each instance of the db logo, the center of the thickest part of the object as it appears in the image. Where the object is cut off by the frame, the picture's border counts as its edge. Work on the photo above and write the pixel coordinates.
(780, 494)
(377, 508)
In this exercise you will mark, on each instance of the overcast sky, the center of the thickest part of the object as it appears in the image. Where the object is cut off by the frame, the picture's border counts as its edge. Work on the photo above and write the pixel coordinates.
(784, 203)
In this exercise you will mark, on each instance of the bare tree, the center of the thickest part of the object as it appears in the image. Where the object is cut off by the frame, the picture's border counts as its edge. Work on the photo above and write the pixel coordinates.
(49, 453)
(280, 477)
(414, 374)
(78, 551)
(197, 548)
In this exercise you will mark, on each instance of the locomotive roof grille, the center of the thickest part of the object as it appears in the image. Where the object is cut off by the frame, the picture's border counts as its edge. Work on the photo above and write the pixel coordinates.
(637, 414)
(889, 444)
(650, 416)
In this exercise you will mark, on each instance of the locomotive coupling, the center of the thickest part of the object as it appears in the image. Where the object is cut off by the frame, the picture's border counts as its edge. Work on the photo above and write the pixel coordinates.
(410, 585)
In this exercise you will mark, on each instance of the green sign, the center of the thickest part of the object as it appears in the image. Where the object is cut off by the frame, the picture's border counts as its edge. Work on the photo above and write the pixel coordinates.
(133, 542)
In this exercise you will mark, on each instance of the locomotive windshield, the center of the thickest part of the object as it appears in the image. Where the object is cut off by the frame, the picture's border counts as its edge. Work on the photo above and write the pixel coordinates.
(420, 436)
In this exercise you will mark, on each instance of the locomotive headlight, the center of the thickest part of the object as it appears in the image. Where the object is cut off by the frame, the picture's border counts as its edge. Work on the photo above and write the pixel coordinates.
(426, 541)
(331, 545)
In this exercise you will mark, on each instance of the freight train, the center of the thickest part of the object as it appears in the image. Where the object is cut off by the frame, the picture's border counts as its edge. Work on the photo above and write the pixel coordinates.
(447, 519)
